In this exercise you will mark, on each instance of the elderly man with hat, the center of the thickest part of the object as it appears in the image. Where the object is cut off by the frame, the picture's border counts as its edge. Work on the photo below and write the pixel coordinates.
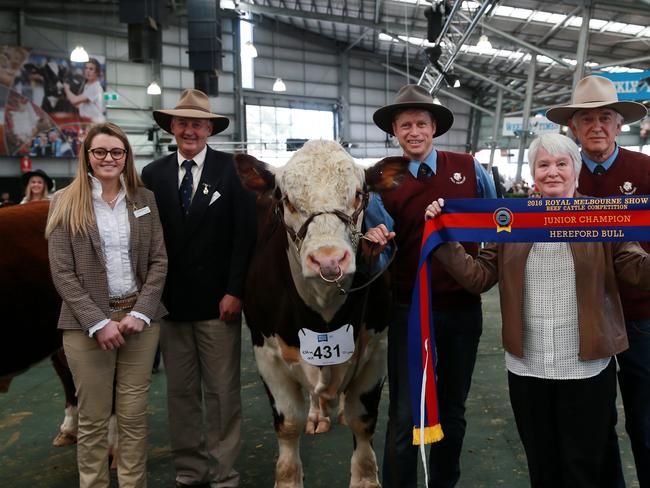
(208, 222)
(595, 116)
(415, 121)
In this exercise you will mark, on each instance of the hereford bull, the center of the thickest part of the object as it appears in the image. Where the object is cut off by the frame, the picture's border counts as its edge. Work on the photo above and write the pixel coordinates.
(311, 325)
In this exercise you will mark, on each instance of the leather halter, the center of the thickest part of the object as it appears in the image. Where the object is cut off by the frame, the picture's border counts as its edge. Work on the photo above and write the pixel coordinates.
(350, 221)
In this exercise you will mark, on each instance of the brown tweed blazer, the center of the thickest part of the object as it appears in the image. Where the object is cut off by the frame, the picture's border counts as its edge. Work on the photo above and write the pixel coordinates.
(79, 269)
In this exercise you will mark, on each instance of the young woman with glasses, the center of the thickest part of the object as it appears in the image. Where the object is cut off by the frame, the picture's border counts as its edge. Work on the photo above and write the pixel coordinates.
(108, 263)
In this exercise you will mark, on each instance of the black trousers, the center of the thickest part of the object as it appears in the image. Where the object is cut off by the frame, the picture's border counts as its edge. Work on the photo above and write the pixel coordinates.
(457, 335)
(564, 426)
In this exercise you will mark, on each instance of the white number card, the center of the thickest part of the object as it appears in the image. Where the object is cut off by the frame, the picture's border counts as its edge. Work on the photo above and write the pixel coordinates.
(325, 348)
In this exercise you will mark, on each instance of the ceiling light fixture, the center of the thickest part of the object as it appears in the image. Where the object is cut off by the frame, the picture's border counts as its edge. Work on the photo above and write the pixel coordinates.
(153, 89)
(484, 45)
(436, 100)
(457, 83)
(79, 55)
(279, 85)
(625, 128)
(227, 5)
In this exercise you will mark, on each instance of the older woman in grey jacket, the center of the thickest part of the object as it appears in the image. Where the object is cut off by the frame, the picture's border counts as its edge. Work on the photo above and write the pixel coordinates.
(562, 323)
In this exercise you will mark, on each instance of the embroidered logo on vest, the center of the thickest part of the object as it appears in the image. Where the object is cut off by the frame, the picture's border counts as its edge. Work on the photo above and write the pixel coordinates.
(628, 188)
(458, 178)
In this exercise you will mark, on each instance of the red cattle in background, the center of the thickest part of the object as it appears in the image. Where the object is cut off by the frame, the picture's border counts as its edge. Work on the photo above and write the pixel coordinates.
(30, 304)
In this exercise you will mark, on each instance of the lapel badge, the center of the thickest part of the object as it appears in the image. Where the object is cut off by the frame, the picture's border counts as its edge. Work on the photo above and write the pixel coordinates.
(206, 188)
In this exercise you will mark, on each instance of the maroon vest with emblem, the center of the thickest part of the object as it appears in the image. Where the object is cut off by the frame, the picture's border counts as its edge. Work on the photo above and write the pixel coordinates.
(629, 174)
(455, 178)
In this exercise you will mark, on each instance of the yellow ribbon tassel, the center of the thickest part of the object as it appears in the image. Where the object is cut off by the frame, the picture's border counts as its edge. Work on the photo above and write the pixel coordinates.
(431, 434)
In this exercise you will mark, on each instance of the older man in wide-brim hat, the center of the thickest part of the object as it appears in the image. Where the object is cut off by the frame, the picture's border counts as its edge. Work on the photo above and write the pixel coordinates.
(208, 221)
(595, 116)
(415, 121)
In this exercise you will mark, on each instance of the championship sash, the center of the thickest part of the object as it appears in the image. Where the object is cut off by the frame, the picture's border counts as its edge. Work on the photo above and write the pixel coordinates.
(623, 218)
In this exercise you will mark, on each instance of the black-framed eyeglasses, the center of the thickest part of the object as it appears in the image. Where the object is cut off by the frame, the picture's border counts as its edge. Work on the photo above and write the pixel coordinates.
(116, 152)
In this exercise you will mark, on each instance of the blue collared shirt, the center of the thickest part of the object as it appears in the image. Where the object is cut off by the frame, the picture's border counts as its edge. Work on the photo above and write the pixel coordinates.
(376, 212)
(592, 165)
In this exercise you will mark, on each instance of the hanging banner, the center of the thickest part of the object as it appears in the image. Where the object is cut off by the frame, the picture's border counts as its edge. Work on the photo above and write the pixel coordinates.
(630, 86)
(512, 126)
(47, 102)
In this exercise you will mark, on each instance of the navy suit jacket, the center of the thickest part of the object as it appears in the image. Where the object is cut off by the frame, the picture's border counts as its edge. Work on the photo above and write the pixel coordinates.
(209, 249)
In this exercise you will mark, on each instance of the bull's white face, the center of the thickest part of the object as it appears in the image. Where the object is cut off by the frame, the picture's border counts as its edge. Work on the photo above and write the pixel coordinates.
(322, 177)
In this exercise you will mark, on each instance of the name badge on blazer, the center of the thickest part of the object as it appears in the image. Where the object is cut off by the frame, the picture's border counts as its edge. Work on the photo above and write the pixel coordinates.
(141, 211)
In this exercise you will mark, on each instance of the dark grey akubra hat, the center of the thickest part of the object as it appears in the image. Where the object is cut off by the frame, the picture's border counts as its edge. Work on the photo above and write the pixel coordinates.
(409, 97)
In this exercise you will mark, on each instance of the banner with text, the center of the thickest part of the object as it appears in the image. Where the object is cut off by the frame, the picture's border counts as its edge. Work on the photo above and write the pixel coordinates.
(630, 86)
(512, 126)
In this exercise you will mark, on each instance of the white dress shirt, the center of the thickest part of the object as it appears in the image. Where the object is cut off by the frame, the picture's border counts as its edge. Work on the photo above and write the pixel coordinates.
(115, 234)
(197, 169)
(550, 316)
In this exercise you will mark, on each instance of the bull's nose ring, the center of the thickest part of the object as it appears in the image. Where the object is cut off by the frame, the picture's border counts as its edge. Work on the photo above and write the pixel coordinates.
(329, 280)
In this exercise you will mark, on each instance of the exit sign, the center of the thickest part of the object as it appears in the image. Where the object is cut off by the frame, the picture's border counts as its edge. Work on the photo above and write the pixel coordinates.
(111, 97)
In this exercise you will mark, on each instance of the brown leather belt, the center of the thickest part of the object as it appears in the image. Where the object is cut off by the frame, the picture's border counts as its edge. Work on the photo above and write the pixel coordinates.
(122, 303)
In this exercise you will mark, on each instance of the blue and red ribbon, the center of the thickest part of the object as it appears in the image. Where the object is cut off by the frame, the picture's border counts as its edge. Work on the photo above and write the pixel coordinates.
(622, 218)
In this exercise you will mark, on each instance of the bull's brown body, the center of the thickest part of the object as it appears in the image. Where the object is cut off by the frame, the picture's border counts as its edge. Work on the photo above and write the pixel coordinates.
(28, 299)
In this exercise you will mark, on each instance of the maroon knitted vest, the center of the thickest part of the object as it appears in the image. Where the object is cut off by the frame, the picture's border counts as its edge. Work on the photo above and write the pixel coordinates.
(455, 178)
(629, 174)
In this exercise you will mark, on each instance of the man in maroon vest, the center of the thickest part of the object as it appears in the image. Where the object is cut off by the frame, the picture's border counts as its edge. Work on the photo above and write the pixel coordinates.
(595, 117)
(415, 120)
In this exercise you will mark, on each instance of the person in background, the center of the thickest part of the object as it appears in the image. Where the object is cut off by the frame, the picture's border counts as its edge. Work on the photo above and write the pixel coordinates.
(562, 325)
(90, 102)
(209, 224)
(108, 263)
(40, 146)
(595, 117)
(38, 186)
(415, 121)
(5, 199)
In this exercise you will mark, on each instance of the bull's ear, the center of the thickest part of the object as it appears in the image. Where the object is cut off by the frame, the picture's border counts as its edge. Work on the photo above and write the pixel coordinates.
(254, 174)
(386, 174)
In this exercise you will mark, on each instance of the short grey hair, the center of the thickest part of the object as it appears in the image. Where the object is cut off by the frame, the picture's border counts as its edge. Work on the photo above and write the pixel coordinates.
(554, 144)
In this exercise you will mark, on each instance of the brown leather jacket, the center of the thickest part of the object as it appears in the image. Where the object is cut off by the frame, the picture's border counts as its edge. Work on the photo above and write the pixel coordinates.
(597, 265)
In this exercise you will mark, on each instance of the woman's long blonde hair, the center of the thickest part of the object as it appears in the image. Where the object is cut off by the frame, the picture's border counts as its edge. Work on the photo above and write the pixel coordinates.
(74, 207)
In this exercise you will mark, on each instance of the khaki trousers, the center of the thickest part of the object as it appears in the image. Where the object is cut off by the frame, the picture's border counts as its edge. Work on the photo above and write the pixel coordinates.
(204, 399)
(94, 372)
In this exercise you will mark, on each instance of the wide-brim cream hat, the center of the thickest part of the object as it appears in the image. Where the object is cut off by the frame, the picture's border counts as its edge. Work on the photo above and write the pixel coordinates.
(193, 104)
(413, 97)
(596, 92)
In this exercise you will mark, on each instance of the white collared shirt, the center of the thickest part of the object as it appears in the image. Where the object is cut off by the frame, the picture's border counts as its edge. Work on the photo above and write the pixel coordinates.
(197, 169)
(550, 316)
(114, 235)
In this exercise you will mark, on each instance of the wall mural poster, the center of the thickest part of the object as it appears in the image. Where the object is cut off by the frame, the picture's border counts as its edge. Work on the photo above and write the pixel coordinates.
(47, 102)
